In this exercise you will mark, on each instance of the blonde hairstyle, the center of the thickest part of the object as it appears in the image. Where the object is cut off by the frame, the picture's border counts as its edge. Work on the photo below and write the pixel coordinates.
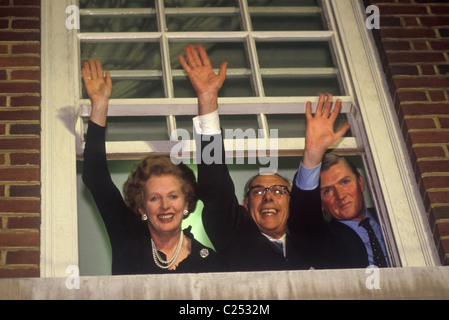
(157, 165)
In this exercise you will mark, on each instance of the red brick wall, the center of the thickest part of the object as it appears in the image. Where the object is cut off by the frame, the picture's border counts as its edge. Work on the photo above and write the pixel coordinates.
(19, 138)
(413, 42)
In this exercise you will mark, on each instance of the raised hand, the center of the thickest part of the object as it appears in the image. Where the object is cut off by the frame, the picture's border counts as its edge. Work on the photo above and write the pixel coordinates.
(203, 78)
(99, 87)
(320, 134)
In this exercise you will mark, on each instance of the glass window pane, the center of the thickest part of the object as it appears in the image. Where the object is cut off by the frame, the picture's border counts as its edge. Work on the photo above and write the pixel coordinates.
(136, 128)
(210, 23)
(98, 4)
(124, 55)
(119, 24)
(199, 3)
(243, 122)
(232, 87)
(283, 3)
(134, 89)
(232, 52)
(309, 22)
(294, 125)
(294, 54)
(301, 86)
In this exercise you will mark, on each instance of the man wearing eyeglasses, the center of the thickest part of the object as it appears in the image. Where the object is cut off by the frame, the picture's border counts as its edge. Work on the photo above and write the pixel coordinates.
(252, 236)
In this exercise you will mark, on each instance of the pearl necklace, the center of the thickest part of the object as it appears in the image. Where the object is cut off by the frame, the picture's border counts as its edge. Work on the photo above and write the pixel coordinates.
(165, 264)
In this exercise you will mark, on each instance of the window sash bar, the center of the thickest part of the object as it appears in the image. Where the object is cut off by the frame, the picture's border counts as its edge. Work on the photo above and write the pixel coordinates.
(227, 106)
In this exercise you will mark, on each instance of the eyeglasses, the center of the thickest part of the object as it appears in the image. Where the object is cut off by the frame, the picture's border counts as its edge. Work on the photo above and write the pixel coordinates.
(276, 191)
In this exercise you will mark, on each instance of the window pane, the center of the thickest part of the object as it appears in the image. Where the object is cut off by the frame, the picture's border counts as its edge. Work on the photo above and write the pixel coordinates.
(294, 54)
(294, 125)
(119, 24)
(283, 3)
(231, 52)
(243, 122)
(124, 55)
(287, 23)
(136, 128)
(199, 3)
(210, 23)
(92, 4)
(301, 86)
(232, 87)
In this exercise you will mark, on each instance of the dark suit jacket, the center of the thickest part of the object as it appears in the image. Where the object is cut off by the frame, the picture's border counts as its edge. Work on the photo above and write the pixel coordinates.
(325, 244)
(230, 227)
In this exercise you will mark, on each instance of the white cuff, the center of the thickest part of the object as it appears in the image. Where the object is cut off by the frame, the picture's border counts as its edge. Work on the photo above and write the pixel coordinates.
(207, 124)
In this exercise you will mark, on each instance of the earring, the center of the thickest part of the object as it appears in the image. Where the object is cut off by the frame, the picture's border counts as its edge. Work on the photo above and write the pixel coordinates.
(185, 212)
(144, 217)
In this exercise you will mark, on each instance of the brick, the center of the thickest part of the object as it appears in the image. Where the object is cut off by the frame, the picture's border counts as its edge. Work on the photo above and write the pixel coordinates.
(444, 32)
(24, 158)
(443, 229)
(422, 82)
(439, 197)
(20, 36)
(417, 109)
(412, 96)
(24, 222)
(19, 87)
(405, 70)
(429, 152)
(444, 123)
(20, 143)
(441, 212)
(396, 45)
(25, 101)
(427, 70)
(20, 174)
(7, 62)
(439, 9)
(439, 45)
(34, 129)
(436, 182)
(25, 191)
(27, 2)
(19, 239)
(413, 57)
(443, 68)
(436, 95)
(430, 137)
(33, 48)
(26, 24)
(6, 272)
(420, 124)
(20, 115)
(22, 257)
(20, 12)
(3, 75)
(407, 33)
(25, 75)
(433, 166)
(402, 9)
(20, 206)
(435, 21)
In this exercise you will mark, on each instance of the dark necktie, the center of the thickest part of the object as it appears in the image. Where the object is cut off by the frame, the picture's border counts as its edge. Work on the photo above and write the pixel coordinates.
(378, 255)
(279, 245)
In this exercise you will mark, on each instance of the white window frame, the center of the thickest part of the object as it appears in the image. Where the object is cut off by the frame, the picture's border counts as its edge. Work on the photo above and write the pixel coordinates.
(413, 245)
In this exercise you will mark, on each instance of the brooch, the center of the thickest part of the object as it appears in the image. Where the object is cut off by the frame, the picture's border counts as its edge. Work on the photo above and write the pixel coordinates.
(204, 253)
